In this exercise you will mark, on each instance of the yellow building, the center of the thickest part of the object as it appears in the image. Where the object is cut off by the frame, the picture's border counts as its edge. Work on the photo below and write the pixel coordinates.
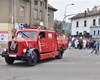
(14, 12)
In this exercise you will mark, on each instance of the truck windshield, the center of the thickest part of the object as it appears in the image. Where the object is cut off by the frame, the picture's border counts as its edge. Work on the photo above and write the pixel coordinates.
(27, 34)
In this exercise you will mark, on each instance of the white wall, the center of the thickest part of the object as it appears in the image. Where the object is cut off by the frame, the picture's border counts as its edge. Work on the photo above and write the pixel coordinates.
(96, 29)
(81, 27)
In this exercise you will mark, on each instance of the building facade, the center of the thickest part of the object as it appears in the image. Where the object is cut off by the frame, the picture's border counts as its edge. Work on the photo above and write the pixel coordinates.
(88, 21)
(31, 12)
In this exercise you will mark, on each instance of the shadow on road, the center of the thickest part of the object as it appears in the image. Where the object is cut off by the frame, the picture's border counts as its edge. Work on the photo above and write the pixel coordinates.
(24, 63)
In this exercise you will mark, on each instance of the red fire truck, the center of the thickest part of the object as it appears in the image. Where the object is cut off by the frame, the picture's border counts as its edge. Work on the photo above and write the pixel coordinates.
(32, 45)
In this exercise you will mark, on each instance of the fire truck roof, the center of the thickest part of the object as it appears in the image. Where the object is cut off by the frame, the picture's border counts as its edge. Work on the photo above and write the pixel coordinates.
(37, 30)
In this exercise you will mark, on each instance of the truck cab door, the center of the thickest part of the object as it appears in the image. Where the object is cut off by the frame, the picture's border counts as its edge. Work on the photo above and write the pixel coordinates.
(50, 42)
(42, 42)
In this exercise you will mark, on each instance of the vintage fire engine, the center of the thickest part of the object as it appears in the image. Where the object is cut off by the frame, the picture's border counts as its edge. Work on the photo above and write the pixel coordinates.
(32, 45)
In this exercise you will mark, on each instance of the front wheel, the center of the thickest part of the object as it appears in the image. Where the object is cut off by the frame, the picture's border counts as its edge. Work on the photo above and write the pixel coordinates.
(9, 60)
(32, 59)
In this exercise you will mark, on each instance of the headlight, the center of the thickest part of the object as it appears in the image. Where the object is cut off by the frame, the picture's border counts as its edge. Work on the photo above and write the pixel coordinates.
(5, 49)
(24, 50)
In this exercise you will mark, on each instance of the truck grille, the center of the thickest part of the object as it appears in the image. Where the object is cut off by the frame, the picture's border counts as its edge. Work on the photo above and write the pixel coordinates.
(13, 47)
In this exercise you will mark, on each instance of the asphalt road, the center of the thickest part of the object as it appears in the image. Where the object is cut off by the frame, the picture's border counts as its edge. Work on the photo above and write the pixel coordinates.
(75, 65)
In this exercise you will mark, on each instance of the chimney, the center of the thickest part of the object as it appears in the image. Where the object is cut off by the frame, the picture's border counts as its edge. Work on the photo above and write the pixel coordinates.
(94, 8)
(85, 13)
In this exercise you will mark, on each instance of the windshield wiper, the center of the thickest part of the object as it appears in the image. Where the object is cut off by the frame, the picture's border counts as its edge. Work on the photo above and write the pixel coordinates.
(25, 35)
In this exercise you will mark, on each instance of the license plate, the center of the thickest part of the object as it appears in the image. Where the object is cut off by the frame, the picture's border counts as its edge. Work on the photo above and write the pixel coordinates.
(12, 55)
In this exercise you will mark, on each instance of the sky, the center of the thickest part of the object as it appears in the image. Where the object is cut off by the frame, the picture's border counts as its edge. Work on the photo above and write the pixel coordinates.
(79, 6)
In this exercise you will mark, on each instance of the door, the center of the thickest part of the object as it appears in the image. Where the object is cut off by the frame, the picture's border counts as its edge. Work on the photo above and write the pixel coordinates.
(50, 42)
(42, 42)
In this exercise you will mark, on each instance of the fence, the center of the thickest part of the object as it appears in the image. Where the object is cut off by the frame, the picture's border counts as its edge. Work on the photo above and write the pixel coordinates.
(78, 36)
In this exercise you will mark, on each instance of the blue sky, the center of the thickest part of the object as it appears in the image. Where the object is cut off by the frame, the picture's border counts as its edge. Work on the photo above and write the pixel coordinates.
(79, 6)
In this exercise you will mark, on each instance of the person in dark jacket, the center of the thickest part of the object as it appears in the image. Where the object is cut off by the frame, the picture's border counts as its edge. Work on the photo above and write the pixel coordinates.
(97, 46)
(80, 44)
(94, 48)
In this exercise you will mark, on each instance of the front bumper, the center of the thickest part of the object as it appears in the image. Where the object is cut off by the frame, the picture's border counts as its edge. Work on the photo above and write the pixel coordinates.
(14, 56)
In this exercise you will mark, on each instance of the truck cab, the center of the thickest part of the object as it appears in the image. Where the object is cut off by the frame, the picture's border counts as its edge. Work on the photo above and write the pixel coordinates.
(32, 45)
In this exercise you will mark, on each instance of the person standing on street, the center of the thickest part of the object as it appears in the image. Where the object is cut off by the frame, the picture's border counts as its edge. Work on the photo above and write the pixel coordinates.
(76, 43)
(98, 47)
(80, 43)
(94, 48)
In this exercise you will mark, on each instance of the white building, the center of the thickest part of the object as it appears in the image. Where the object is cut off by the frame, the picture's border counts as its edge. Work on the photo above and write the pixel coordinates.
(88, 21)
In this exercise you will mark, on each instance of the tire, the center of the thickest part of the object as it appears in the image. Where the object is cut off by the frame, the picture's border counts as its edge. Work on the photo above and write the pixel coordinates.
(9, 60)
(60, 53)
(32, 61)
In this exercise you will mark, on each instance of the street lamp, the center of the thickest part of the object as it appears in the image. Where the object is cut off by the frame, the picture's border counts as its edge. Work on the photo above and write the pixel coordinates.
(65, 10)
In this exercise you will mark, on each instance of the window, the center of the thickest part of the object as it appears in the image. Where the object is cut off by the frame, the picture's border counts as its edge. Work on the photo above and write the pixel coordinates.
(46, 4)
(85, 23)
(35, 14)
(27, 34)
(40, 14)
(98, 32)
(84, 32)
(94, 22)
(22, 11)
(42, 35)
(49, 17)
(40, 3)
(76, 32)
(49, 36)
(94, 32)
(77, 24)
(99, 21)
(35, 2)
